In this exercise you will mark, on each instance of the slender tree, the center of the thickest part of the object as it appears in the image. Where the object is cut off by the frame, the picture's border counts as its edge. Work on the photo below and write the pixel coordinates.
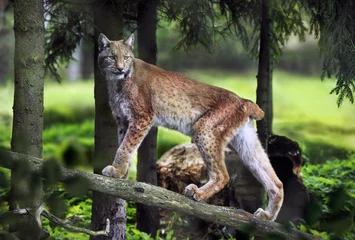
(108, 19)
(264, 77)
(26, 189)
(147, 216)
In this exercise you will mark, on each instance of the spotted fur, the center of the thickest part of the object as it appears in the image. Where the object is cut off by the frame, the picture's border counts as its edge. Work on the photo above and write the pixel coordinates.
(143, 95)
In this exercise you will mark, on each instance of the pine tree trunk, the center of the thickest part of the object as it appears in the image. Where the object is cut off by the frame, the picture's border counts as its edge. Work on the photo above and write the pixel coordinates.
(26, 189)
(3, 4)
(147, 216)
(108, 19)
(264, 77)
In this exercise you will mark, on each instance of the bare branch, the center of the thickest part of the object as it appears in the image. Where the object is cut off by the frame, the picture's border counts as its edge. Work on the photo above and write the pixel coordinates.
(159, 197)
(7, 235)
(65, 224)
(41, 211)
(35, 214)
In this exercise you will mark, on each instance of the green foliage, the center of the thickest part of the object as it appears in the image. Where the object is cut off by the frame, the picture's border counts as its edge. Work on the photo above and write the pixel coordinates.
(315, 147)
(81, 209)
(205, 22)
(332, 209)
(285, 20)
(333, 22)
(68, 23)
(62, 114)
(70, 200)
(199, 22)
(4, 191)
(70, 144)
(131, 213)
(134, 234)
(228, 55)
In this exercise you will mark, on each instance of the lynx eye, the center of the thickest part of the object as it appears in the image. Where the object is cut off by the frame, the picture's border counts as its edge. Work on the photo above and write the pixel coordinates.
(111, 58)
(125, 57)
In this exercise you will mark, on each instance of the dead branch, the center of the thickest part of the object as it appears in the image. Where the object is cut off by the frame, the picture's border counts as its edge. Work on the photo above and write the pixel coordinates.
(7, 235)
(41, 211)
(159, 197)
(65, 224)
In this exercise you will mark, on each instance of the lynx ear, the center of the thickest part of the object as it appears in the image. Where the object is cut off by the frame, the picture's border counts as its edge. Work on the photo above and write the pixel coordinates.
(103, 42)
(130, 41)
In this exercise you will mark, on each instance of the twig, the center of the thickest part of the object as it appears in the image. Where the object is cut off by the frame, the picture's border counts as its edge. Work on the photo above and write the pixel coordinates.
(65, 224)
(35, 214)
(7, 235)
(41, 211)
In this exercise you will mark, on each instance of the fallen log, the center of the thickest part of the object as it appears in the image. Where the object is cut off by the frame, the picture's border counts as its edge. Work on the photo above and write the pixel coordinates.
(153, 196)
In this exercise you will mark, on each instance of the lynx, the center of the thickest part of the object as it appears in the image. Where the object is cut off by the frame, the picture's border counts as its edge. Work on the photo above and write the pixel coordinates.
(143, 95)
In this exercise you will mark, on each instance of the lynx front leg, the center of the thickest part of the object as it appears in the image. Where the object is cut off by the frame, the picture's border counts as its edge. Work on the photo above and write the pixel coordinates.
(134, 136)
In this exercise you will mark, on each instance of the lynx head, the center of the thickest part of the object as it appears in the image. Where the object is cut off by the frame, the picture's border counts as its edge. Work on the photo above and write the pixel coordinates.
(116, 57)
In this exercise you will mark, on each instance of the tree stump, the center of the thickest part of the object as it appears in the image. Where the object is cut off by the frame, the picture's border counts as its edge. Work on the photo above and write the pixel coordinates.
(183, 165)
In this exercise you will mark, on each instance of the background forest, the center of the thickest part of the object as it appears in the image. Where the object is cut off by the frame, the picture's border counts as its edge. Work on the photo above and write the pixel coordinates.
(302, 106)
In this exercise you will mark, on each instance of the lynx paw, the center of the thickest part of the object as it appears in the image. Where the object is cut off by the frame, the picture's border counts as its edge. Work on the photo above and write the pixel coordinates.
(111, 171)
(261, 213)
(192, 191)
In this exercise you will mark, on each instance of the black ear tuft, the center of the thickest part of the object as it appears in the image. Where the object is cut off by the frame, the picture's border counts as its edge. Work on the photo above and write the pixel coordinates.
(103, 42)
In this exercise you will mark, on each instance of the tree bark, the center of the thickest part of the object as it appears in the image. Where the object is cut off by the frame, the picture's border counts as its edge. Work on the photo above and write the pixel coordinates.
(147, 216)
(3, 4)
(108, 19)
(26, 190)
(159, 197)
(87, 61)
(264, 77)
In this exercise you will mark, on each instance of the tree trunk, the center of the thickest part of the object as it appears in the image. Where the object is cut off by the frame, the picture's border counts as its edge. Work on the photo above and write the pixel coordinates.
(264, 91)
(87, 62)
(108, 19)
(3, 4)
(26, 189)
(147, 216)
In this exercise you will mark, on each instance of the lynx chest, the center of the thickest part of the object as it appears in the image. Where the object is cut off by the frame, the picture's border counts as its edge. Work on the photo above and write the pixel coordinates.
(120, 105)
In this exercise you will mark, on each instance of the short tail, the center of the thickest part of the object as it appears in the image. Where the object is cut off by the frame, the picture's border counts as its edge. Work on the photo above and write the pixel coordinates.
(255, 111)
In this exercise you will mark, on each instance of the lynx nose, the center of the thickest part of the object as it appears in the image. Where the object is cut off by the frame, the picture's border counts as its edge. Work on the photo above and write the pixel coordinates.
(120, 69)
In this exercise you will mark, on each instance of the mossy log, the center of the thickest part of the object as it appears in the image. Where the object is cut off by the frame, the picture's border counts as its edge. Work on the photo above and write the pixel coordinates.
(152, 196)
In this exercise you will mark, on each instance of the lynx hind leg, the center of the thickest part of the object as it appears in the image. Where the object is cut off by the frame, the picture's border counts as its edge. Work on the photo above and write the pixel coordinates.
(212, 152)
(250, 151)
(211, 134)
